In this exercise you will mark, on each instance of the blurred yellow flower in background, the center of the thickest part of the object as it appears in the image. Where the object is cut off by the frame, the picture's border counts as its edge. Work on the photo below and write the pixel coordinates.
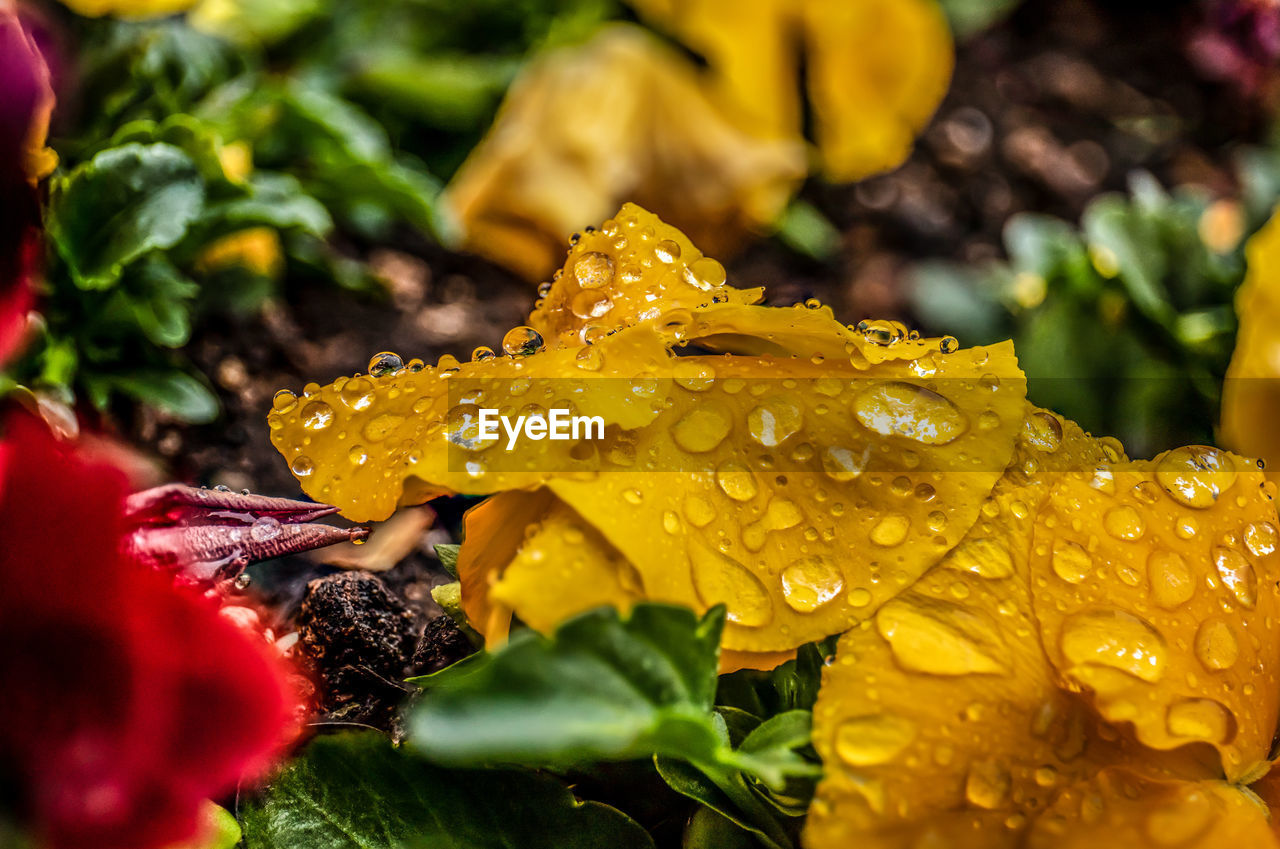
(1251, 391)
(716, 151)
(129, 8)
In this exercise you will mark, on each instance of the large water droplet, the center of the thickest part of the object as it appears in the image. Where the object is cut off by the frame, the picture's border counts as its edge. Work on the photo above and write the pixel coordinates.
(809, 583)
(1216, 645)
(1042, 430)
(771, 423)
(384, 363)
(843, 464)
(1237, 575)
(381, 426)
(693, 375)
(317, 415)
(1260, 538)
(737, 481)
(1200, 719)
(591, 303)
(302, 466)
(940, 638)
(284, 401)
(719, 579)
(987, 785)
(463, 428)
(666, 251)
(1196, 475)
(1124, 522)
(699, 511)
(703, 428)
(910, 411)
(521, 342)
(705, 274)
(891, 530)
(357, 393)
(264, 529)
(1117, 640)
(873, 739)
(593, 270)
(1172, 583)
(1071, 563)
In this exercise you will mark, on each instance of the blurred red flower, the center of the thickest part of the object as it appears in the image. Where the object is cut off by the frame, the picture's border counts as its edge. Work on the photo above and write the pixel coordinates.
(26, 99)
(126, 700)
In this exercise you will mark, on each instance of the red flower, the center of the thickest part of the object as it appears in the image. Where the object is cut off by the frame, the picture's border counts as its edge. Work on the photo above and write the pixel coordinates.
(125, 700)
(26, 99)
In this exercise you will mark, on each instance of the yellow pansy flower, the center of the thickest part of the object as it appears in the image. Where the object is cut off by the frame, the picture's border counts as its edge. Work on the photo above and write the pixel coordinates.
(803, 475)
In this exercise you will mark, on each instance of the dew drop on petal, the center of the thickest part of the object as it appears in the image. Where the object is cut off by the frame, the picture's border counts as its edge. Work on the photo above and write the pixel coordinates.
(593, 270)
(521, 341)
(873, 739)
(1195, 475)
(1115, 639)
(809, 583)
(1237, 575)
(910, 411)
(384, 363)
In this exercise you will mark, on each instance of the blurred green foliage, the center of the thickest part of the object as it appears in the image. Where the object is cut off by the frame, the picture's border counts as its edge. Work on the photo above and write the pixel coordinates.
(1126, 322)
(331, 124)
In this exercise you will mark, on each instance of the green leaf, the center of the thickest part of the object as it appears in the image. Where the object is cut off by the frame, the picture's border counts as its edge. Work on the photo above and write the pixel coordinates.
(804, 229)
(448, 554)
(122, 204)
(601, 688)
(270, 200)
(710, 830)
(1129, 236)
(176, 393)
(355, 791)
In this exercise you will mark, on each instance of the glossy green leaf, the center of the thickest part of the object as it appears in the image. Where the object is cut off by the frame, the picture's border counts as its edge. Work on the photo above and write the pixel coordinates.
(176, 393)
(122, 204)
(355, 791)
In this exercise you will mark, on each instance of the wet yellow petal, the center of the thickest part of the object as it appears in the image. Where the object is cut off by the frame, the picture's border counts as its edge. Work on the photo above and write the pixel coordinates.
(1121, 808)
(1153, 583)
(941, 714)
(621, 117)
(635, 268)
(1251, 392)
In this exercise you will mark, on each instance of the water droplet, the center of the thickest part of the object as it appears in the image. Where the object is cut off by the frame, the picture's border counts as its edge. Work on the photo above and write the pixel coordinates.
(910, 411)
(1043, 430)
(1200, 719)
(1186, 527)
(699, 511)
(666, 251)
(1260, 538)
(736, 480)
(1046, 776)
(633, 496)
(317, 415)
(873, 739)
(1071, 563)
(302, 466)
(357, 393)
(1216, 645)
(522, 341)
(693, 375)
(703, 428)
(482, 353)
(1195, 475)
(859, 597)
(591, 303)
(385, 363)
(949, 345)
(462, 428)
(706, 273)
(842, 464)
(1114, 639)
(671, 522)
(284, 401)
(589, 358)
(891, 530)
(987, 785)
(593, 270)
(242, 581)
(883, 333)
(719, 579)
(264, 528)
(1237, 575)
(940, 638)
(809, 583)
(771, 423)
(357, 455)
(1172, 584)
(1124, 522)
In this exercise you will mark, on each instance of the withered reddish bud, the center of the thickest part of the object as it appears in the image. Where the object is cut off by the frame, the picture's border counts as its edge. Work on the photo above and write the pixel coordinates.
(211, 535)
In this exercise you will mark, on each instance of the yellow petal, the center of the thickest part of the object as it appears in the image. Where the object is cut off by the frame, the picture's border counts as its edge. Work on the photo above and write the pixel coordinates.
(620, 117)
(1151, 586)
(1251, 391)
(1121, 808)
(877, 69)
(636, 268)
(941, 717)
(128, 8)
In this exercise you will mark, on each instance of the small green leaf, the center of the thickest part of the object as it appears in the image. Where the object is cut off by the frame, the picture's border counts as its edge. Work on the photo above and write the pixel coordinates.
(356, 791)
(448, 554)
(122, 204)
(176, 393)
